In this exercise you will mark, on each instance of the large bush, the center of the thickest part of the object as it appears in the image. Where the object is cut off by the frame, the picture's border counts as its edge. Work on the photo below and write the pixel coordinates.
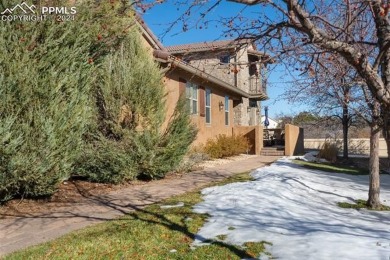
(329, 151)
(48, 71)
(82, 97)
(130, 113)
(224, 146)
(159, 153)
(45, 84)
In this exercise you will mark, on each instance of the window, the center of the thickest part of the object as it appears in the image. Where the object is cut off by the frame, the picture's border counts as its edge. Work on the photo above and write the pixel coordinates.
(192, 97)
(253, 103)
(226, 110)
(225, 59)
(208, 106)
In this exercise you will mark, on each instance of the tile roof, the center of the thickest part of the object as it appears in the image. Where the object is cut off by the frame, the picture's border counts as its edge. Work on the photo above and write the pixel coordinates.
(156, 44)
(205, 46)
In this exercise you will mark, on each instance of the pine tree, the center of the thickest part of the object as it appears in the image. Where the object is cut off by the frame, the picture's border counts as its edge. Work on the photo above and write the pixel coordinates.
(47, 73)
(82, 98)
(130, 112)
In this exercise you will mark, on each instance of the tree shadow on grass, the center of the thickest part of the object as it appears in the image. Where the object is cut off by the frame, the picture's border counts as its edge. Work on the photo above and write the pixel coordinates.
(116, 209)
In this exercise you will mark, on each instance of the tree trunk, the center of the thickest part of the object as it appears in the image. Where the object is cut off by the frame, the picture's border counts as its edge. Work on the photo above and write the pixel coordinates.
(374, 189)
(385, 114)
(388, 154)
(345, 122)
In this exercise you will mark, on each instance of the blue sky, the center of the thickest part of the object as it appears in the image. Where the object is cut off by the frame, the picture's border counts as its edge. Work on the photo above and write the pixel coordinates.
(161, 16)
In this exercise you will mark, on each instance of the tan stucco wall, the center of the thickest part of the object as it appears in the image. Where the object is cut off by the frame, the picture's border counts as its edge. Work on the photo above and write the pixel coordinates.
(355, 145)
(206, 131)
(293, 140)
(217, 125)
(254, 135)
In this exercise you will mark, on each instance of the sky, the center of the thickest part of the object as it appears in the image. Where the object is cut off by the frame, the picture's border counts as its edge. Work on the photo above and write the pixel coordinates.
(161, 16)
(296, 210)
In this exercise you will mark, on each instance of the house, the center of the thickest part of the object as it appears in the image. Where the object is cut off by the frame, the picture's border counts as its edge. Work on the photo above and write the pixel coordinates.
(223, 82)
(272, 123)
(237, 63)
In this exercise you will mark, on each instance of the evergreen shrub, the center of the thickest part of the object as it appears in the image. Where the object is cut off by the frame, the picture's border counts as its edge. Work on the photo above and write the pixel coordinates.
(106, 161)
(130, 113)
(83, 97)
(167, 151)
(45, 82)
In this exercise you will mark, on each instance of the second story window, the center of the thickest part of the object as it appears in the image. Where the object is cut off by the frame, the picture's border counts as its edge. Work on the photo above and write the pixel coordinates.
(224, 59)
(192, 97)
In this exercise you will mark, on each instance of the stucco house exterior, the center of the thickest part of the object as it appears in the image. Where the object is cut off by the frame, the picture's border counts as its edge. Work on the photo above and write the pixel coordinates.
(223, 82)
(237, 63)
(221, 98)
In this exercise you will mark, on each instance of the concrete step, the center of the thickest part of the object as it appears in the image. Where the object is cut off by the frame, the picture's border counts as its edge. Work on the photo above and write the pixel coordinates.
(273, 148)
(270, 152)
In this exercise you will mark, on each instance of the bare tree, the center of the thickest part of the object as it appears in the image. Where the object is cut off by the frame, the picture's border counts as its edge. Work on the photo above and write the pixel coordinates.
(357, 31)
(330, 86)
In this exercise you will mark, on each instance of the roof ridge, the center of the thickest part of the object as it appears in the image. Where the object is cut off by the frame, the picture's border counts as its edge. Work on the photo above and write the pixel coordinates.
(203, 42)
(206, 45)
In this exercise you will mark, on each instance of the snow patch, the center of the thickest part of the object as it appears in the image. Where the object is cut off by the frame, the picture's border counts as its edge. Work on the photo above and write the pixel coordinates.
(296, 210)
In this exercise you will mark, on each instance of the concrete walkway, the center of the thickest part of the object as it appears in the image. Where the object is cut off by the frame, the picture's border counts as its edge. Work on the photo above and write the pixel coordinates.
(20, 232)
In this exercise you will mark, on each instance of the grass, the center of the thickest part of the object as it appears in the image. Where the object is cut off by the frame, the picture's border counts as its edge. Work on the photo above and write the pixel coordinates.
(361, 204)
(148, 233)
(328, 167)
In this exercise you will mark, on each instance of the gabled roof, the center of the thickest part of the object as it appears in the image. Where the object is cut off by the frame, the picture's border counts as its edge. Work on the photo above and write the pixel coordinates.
(206, 46)
(149, 35)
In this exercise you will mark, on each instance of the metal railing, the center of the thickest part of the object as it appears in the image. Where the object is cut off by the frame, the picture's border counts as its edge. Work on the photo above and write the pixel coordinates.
(257, 85)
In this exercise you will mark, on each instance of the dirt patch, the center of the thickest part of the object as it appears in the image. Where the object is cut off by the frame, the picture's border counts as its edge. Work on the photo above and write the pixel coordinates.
(69, 193)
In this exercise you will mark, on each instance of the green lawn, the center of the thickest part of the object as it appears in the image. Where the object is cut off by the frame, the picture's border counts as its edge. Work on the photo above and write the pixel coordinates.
(360, 204)
(149, 233)
(328, 167)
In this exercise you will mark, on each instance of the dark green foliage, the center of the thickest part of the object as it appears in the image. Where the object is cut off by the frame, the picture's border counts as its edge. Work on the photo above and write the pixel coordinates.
(45, 82)
(82, 97)
(157, 153)
(130, 113)
(107, 161)
(224, 146)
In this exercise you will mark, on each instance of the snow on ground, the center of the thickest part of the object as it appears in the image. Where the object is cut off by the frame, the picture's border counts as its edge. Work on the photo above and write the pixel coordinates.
(296, 210)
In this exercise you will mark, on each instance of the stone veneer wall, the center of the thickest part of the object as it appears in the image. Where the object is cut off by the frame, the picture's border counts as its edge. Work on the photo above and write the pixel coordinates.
(210, 63)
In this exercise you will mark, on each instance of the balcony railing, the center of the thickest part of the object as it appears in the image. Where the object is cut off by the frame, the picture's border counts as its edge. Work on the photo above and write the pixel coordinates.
(257, 85)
